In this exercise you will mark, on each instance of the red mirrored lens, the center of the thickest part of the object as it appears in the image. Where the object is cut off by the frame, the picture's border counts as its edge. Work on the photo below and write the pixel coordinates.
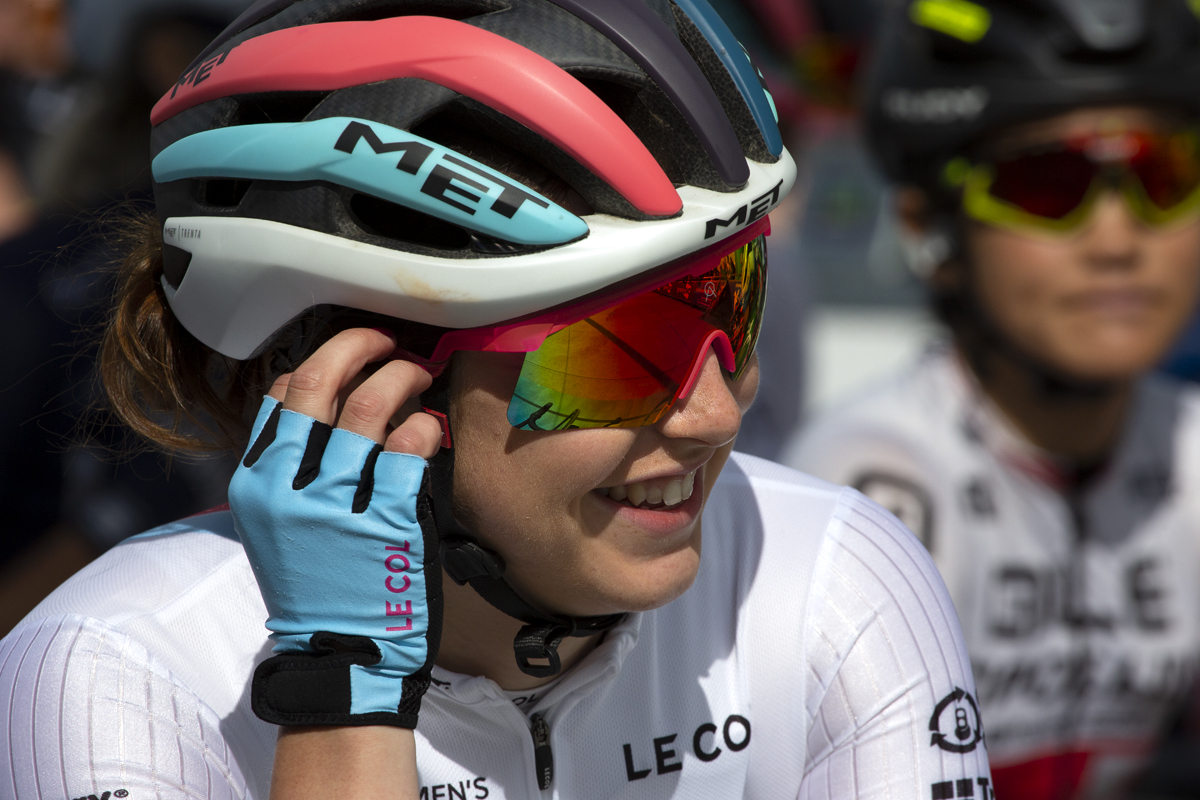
(1048, 184)
(1168, 167)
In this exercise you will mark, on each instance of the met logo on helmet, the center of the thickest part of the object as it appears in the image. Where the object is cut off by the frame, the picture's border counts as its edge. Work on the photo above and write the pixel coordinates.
(199, 73)
(441, 178)
(753, 211)
(345, 151)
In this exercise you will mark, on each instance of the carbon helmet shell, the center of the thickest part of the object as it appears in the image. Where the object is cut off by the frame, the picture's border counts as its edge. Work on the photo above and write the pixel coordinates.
(948, 72)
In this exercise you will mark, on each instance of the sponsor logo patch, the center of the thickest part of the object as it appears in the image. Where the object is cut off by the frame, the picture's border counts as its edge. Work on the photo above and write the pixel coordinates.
(979, 499)
(955, 723)
(936, 106)
(906, 500)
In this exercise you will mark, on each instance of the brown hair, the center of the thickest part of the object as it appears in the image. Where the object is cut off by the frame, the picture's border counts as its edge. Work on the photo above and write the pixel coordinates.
(159, 379)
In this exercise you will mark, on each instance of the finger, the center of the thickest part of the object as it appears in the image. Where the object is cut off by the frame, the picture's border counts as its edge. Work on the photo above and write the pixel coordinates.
(313, 387)
(419, 435)
(279, 388)
(370, 407)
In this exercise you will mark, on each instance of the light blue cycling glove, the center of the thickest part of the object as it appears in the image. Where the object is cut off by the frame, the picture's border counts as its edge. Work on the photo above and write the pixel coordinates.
(341, 538)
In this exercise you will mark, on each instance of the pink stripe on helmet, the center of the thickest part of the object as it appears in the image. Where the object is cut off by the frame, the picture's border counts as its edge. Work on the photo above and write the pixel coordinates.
(473, 62)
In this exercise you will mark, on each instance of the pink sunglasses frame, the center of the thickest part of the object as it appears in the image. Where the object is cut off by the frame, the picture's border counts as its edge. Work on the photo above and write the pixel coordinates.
(524, 335)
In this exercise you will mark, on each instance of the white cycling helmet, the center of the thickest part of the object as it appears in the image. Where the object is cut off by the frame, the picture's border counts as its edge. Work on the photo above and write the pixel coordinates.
(311, 156)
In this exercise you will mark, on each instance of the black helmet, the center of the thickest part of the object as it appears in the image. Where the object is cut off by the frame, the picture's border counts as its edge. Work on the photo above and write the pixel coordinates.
(947, 72)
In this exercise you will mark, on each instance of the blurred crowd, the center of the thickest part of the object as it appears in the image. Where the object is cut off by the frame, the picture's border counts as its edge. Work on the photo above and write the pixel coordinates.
(77, 81)
(849, 275)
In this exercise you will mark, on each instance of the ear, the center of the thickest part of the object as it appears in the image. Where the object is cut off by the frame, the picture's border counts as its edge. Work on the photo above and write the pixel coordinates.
(913, 210)
(924, 243)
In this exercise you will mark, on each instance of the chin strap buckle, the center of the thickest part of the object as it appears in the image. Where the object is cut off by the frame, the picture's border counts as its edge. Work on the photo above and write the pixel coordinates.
(541, 641)
(464, 561)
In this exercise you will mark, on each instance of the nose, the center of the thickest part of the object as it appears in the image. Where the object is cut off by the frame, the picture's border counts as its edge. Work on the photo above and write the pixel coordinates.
(1113, 240)
(712, 411)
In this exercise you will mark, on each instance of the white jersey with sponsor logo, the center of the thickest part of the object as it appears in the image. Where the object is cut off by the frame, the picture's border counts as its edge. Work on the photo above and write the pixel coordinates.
(816, 656)
(1079, 599)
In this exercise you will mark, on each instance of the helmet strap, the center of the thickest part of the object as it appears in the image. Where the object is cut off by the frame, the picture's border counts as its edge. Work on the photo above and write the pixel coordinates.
(466, 562)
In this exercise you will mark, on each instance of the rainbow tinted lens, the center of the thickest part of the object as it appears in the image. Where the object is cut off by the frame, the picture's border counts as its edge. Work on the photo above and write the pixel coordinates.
(625, 367)
(1054, 188)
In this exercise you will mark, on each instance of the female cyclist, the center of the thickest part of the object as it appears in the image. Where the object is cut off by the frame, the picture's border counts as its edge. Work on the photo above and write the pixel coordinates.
(1050, 156)
(543, 222)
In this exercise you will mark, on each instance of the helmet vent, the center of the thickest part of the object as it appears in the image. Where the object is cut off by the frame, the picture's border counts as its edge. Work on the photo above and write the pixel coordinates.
(224, 192)
(386, 9)
(393, 221)
(749, 136)
(621, 98)
(1089, 55)
(457, 128)
(283, 107)
(655, 120)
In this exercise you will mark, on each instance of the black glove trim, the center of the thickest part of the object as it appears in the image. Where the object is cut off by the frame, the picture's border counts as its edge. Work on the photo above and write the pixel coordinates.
(314, 688)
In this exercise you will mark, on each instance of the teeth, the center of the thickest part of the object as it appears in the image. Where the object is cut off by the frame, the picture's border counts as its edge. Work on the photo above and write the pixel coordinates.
(672, 494)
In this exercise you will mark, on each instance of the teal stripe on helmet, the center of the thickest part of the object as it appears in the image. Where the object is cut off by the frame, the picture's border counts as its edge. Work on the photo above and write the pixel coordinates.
(745, 76)
(379, 160)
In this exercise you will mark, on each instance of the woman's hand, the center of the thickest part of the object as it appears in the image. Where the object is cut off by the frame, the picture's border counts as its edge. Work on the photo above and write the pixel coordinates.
(331, 502)
(330, 387)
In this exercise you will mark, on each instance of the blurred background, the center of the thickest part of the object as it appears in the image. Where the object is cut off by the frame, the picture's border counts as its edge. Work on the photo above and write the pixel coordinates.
(844, 309)
(77, 81)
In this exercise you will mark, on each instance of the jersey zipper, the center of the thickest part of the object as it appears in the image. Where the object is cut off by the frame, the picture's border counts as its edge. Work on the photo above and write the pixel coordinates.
(543, 756)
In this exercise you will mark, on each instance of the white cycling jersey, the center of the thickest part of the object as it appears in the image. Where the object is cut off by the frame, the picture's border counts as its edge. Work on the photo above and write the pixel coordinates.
(1080, 601)
(816, 656)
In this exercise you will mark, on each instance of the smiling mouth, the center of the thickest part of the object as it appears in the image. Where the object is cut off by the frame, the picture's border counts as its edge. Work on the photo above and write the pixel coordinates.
(658, 493)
